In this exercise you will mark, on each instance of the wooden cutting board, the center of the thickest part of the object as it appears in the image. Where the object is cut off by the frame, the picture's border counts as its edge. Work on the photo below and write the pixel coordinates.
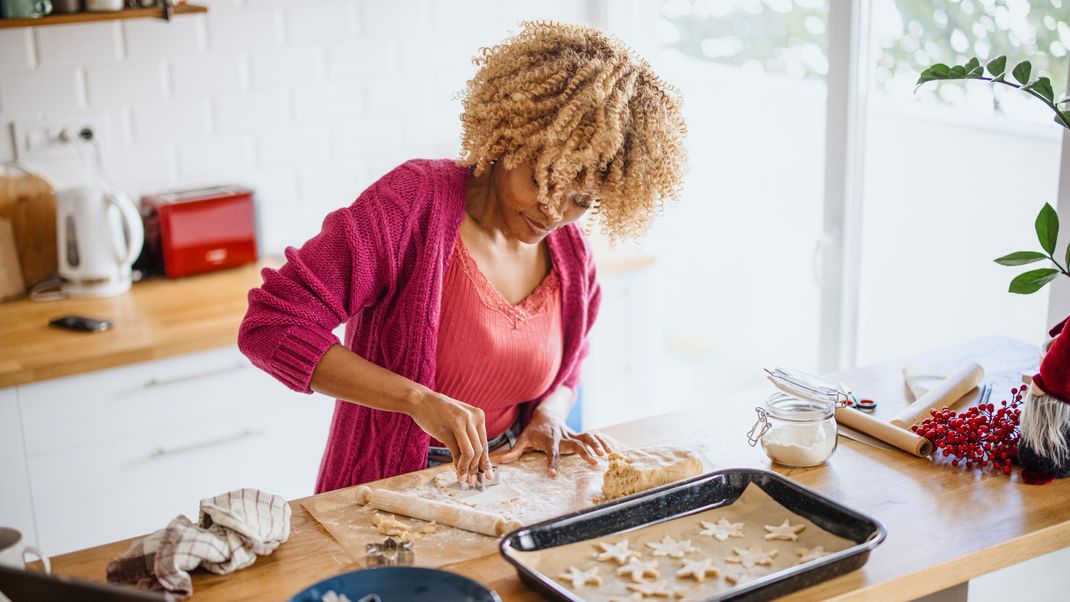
(29, 203)
(11, 284)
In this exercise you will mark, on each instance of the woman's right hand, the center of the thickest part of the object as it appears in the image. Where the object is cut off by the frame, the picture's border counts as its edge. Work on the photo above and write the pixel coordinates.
(460, 427)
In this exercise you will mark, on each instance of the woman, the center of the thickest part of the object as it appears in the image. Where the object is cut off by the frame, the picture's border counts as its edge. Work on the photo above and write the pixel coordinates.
(466, 287)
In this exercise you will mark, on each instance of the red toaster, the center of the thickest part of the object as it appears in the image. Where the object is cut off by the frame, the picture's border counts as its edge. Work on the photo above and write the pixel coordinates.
(200, 230)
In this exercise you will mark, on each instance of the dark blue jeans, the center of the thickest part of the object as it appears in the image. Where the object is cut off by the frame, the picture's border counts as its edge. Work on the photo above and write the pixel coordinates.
(437, 456)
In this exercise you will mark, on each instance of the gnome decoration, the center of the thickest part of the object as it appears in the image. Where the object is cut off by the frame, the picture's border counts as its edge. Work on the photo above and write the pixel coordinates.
(1044, 449)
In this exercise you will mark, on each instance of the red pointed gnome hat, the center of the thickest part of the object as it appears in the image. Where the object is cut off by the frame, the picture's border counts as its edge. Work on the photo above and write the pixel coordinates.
(1054, 376)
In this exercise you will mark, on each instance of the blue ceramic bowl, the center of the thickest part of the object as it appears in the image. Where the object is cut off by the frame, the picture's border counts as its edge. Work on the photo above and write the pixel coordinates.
(400, 584)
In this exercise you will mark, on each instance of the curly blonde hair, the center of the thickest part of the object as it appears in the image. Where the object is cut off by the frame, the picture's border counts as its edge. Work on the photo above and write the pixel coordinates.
(587, 113)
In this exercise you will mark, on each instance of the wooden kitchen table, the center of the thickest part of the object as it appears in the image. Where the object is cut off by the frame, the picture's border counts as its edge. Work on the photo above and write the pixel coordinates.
(945, 525)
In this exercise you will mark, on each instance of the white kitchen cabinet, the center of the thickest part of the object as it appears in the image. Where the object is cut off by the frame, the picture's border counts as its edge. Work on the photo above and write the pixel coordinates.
(16, 509)
(120, 452)
(616, 374)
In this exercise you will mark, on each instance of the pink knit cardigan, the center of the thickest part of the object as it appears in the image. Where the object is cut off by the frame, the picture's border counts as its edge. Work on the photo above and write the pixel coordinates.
(378, 266)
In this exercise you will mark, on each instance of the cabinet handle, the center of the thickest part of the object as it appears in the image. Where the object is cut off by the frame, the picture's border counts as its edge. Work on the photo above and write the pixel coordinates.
(170, 451)
(159, 382)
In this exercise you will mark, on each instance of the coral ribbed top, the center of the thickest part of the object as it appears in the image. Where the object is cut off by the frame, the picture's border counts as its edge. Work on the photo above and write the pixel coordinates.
(493, 354)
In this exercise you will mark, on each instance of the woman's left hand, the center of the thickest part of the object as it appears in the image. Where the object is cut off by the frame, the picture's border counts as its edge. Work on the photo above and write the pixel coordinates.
(548, 433)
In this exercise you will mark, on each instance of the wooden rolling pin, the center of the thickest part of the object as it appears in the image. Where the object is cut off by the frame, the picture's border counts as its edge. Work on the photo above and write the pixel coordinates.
(905, 440)
(451, 515)
(947, 393)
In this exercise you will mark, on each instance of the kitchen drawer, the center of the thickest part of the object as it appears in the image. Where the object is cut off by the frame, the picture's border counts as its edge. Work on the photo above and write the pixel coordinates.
(16, 509)
(124, 487)
(68, 412)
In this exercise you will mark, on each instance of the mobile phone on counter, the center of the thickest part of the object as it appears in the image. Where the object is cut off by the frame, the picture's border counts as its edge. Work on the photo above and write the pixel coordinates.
(81, 324)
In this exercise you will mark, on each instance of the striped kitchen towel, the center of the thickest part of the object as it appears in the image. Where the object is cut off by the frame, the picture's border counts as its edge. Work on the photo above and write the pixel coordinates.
(233, 529)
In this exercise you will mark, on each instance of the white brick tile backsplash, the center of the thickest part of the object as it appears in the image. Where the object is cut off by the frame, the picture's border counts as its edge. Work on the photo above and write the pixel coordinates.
(365, 136)
(251, 112)
(272, 188)
(128, 82)
(141, 169)
(398, 95)
(42, 91)
(331, 185)
(156, 38)
(432, 53)
(288, 67)
(319, 22)
(357, 59)
(171, 121)
(327, 103)
(396, 16)
(78, 44)
(292, 148)
(455, 17)
(243, 30)
(218, 158)
(198, 76)
(16, 48)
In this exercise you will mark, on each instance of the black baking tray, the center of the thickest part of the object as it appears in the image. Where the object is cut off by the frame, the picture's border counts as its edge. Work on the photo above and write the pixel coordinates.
(698, 494)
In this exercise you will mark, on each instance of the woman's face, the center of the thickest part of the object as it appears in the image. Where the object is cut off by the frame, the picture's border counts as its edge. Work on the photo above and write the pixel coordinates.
(517, 192)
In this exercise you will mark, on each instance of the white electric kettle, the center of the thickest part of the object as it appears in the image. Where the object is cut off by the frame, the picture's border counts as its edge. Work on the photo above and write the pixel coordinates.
(99, 234)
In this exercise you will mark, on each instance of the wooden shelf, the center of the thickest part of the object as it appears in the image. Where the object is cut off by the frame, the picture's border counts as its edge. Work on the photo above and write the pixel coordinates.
(86, 17)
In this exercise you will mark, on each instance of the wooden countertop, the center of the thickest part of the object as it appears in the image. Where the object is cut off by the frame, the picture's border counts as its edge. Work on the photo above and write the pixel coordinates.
(945, 525)
(158, 318)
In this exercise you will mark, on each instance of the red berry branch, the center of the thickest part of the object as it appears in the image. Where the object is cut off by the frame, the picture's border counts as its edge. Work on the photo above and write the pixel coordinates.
(983, 435)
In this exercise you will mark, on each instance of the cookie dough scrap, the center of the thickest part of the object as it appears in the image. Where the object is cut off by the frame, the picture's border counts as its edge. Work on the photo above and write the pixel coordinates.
(806, 555)
(638, 570)
(391, 526)
(663, 589)
(635, 470)
(671, 548)
(615, 552)
(580, 578)
(752, 556)
(721, 530)
(784, 531)
(697, 569)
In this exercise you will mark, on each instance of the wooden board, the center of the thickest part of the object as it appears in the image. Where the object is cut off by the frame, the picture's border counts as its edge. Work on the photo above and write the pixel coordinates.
(28, 202)
(10, 273)
(945, 525)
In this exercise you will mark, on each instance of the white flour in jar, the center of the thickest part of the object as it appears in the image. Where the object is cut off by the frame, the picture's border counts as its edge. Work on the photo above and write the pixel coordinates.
(800, 445)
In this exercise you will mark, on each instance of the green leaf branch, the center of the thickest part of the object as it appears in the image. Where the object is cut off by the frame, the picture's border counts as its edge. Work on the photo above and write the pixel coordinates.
(1047, 227)
(996, 73)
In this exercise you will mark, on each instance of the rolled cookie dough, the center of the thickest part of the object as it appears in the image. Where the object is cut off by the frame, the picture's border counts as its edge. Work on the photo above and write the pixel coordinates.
(636, 470)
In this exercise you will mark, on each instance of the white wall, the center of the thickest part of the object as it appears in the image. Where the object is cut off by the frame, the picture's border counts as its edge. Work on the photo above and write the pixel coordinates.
(306, 101)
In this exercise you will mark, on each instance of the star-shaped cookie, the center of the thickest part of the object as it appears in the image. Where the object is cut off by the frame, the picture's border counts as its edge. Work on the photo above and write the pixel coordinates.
(722, 529)
(806, 555)
(616, 552)
(752, 556)
(656, 590)
(579, 578)
(784, 531)
(671, 548)
(697, 569)
(637, 570)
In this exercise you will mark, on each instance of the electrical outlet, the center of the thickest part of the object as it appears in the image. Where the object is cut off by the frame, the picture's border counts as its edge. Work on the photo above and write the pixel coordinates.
(47, 140)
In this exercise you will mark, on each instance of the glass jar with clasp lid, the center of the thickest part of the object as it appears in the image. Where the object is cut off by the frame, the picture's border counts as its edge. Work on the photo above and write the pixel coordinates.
(797, 424)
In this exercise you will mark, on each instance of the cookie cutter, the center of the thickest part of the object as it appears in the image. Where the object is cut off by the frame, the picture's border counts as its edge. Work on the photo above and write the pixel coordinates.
(482, 482)
(390, 552)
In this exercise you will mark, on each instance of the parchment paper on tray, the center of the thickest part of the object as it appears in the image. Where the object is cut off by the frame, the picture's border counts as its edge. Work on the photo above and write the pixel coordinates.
(754, 509)
(525, 494)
